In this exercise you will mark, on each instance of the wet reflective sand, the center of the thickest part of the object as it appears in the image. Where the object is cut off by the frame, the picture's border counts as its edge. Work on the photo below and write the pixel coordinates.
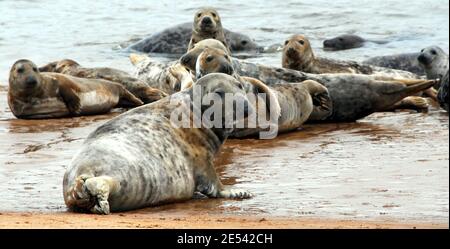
(388, 167)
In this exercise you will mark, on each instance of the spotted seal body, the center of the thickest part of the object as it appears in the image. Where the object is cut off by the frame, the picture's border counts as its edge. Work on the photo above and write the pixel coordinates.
(354, 96)
(298, 55)
(175, 40)
(347, 41)
(138, 88)
(406, 62)
(141, 159)
(35, 95)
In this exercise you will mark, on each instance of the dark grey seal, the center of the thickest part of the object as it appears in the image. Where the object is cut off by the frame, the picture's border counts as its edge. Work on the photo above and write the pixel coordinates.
(175, 40)
(344, 42)
(406, 62)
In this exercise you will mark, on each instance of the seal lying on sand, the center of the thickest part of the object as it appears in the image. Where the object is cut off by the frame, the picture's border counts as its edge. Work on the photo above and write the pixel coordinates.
(207, 24)
(135, 86)
(434, 61)
(141, 159)
(175, 40)
(343, 42)
(406, 62)
(298, 55)
(34, 95)
(369, 93)
(443, 93)
(287, 105)
(211, 60)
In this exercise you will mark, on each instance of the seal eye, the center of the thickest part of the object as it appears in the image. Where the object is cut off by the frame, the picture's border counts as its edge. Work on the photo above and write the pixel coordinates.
(286, 43)
(20, 70)
(226, 57)
(35, 69)
(301, 42)
(209, 58)
(422, 50)
(244, 43)
(433, 52)
(214, 14)
(199, 15)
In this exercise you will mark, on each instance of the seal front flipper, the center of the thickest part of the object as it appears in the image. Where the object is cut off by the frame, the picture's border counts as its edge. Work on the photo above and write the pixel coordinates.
(70, 98)
(208, 183)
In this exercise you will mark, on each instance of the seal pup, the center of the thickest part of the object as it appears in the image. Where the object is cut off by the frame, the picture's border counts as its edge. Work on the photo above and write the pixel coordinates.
(434, 61)
(298, 55)
(120, 166)
(346, 41)
(175, 40)
(138, 88)
(35, 95)
(288, 105)
(207, 24)
(405, 62)
(443, 93)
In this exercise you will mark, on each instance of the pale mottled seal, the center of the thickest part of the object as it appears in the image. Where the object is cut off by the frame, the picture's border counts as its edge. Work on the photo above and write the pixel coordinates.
(354, 95)
(443, 93)
(154, 73)
(434, 61)
(34, 95)
(406, 62)
(141, 159)
(290, 104)
(207, 24)
(298, 55)
(138, 88)
(347, 41)
(175, 40)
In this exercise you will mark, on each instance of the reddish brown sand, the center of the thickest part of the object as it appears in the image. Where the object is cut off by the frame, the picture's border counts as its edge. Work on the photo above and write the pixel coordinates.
(389, 170)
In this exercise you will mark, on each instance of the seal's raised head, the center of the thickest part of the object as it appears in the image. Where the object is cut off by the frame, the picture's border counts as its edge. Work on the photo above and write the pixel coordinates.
(297, 50)
(24, 76)
(207, 20)
(213, 60)
(223, 94)
(433, 58)
(190, 58)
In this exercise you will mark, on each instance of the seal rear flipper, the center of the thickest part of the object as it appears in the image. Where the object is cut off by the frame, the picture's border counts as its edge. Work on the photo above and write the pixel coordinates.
(137, 58)
(92, 193)
(406, 87)
(128, 99)
(412, 102)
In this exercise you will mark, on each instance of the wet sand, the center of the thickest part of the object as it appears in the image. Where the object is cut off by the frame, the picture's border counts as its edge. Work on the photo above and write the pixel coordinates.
(390, 170)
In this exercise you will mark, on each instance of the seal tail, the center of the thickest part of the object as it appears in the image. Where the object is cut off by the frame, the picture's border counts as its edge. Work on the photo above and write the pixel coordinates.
(91, 194)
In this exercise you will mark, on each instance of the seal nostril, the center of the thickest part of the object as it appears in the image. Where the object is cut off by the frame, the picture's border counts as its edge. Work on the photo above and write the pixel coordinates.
(206, 20)
(185, 60)
(31, 81)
